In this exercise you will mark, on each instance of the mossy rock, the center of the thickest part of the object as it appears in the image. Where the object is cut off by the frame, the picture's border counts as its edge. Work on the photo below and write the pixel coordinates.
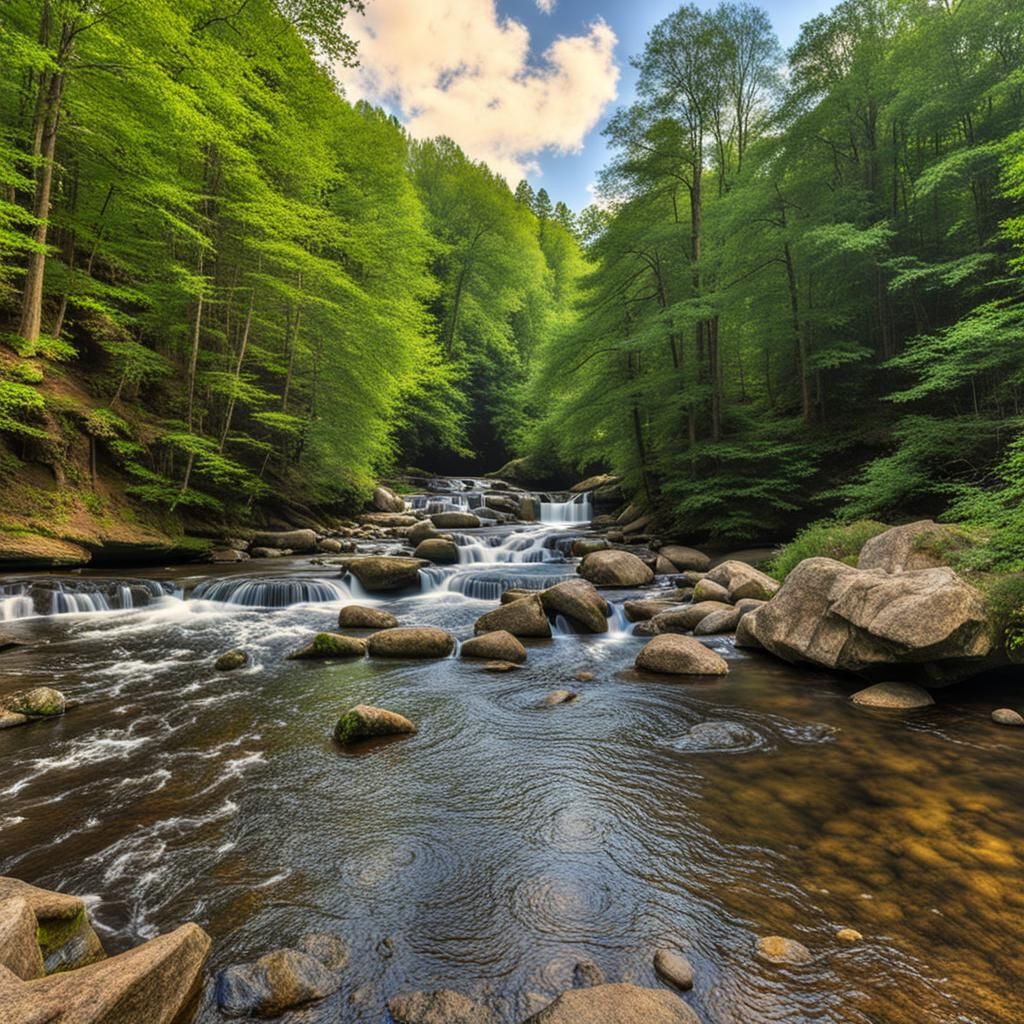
(366, 722)
(331, 645)
(231, 660)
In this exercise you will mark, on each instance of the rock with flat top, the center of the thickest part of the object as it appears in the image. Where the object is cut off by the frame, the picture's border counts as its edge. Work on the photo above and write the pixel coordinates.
(411, 642)
(289, 540)
(387, 572)
(671, 654)
(616, 1004)
(897, 696)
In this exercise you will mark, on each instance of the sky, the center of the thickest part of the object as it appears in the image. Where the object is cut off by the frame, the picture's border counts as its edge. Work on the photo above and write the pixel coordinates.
(525, 85)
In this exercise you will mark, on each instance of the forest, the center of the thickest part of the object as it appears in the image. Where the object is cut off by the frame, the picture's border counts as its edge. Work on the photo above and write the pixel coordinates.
(223, 286)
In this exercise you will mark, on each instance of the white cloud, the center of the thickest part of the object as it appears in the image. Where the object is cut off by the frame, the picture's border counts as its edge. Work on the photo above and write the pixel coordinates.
(455, 68)
(547, 6)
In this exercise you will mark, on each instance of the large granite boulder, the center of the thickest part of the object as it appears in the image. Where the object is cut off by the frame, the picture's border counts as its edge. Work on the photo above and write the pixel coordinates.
(684, 619)
(525, 617)
(615, 568)
(439, 550)
(498, 645)
(578, 600)
(364, 722)
(742, 580)
(289, 540)
(387, 572)
(411, 642)
(19, 951)
(385, 500)
(279, 981)
(671, 654)
(616, 1004)
(684, 558)
(913, 546)
(455, 520)
(831, 614)
(423, 530)
(153, 983)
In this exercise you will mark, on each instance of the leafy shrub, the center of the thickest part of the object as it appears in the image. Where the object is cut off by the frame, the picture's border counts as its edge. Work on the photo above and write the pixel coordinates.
(1006, 604)
(826, 539)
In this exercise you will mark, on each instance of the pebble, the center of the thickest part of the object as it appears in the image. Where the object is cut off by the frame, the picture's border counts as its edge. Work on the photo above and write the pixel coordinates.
(674, 968)
(778, 950)
(849, 935)
(559, 697)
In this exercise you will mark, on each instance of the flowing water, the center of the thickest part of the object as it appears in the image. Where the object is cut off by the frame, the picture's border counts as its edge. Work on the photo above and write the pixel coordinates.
(508, 840)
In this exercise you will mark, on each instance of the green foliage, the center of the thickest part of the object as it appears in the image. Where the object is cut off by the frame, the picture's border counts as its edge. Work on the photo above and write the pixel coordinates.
(1005, 597)
(830, 538)
(18, 404)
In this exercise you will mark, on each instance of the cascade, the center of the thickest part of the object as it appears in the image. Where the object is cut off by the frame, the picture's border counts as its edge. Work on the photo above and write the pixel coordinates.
(577, 510)
(20, 599)
(270, 591)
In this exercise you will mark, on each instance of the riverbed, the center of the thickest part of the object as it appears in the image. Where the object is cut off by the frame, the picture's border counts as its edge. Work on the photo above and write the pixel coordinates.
(507, 841)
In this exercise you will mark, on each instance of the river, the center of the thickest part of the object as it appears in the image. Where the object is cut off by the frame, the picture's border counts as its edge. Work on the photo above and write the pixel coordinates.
(508, 840)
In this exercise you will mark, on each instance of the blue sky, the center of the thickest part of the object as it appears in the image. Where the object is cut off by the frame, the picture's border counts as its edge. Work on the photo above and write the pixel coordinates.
(526, 85)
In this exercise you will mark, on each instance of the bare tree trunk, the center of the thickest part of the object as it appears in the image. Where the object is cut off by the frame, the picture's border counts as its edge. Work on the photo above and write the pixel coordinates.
(238, 369)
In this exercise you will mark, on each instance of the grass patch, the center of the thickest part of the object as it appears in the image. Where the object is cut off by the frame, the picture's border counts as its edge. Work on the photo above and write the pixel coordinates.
(827, 539)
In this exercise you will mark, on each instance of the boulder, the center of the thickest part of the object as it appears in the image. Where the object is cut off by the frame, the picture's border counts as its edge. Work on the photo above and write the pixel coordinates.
(365, 722)
(745, 634)
(499, 645)
(442, 1006)
(616, 1004)
(330, 546)
(742, 580)
(1007, 716)
(330, 645)
(268, 552)
(19, 951)
(709, 590)
(583, 546)
(502, 503)
(389, 520)
(9, 719)
(292, 540)
(905, 548)
(684, 558)
(579, 601)
(647, 608)
(637, 526)
(685, 619)
(39, 702)
(358, 616)
(615, 569)
(827, 613)
(278, 981)
(587, 974)
(592, 483)
(330, 949)
(385, 500)
(629, 514)
(230, 660)
(525, 617)
(455, 520)
(674, 968)
(899, 696)
(514, 594)
(411, 642)
(222, 555)
(529, 509)
(386, 572)
(559, 697)
(154, 983)
(663, 567)
(778, 950)
(439, 550)
(671, 654)
(423, 530)
(718, 622)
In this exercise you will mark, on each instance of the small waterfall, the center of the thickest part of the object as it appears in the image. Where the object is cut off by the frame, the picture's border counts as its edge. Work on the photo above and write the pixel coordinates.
(21, 599)
(618, 624)
(518, 548)
(578, 509)
(269, 591)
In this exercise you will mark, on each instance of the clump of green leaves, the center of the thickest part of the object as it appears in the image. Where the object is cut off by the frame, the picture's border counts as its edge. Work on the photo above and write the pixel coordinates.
(828, 539)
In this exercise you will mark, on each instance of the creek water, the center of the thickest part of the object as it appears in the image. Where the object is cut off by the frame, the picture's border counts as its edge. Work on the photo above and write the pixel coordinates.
(507, 840)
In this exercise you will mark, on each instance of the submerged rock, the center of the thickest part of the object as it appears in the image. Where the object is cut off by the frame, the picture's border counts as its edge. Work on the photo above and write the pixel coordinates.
(830, 614)
(616, 1004)
(674, 968)
(411, 642)
(500, 666)
(559, 697)
(900, 696)
(330, 949)
(524, 617)
(357, 616)
(579, 601)
(778, 950)
(441, 1006)
(367, 722)
(615, 569)
(586, 974)
(330, 645)
(276, 982)
(671, 654)
(230, 660)
(498, 645)
(1007, 716)
(386, 572)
